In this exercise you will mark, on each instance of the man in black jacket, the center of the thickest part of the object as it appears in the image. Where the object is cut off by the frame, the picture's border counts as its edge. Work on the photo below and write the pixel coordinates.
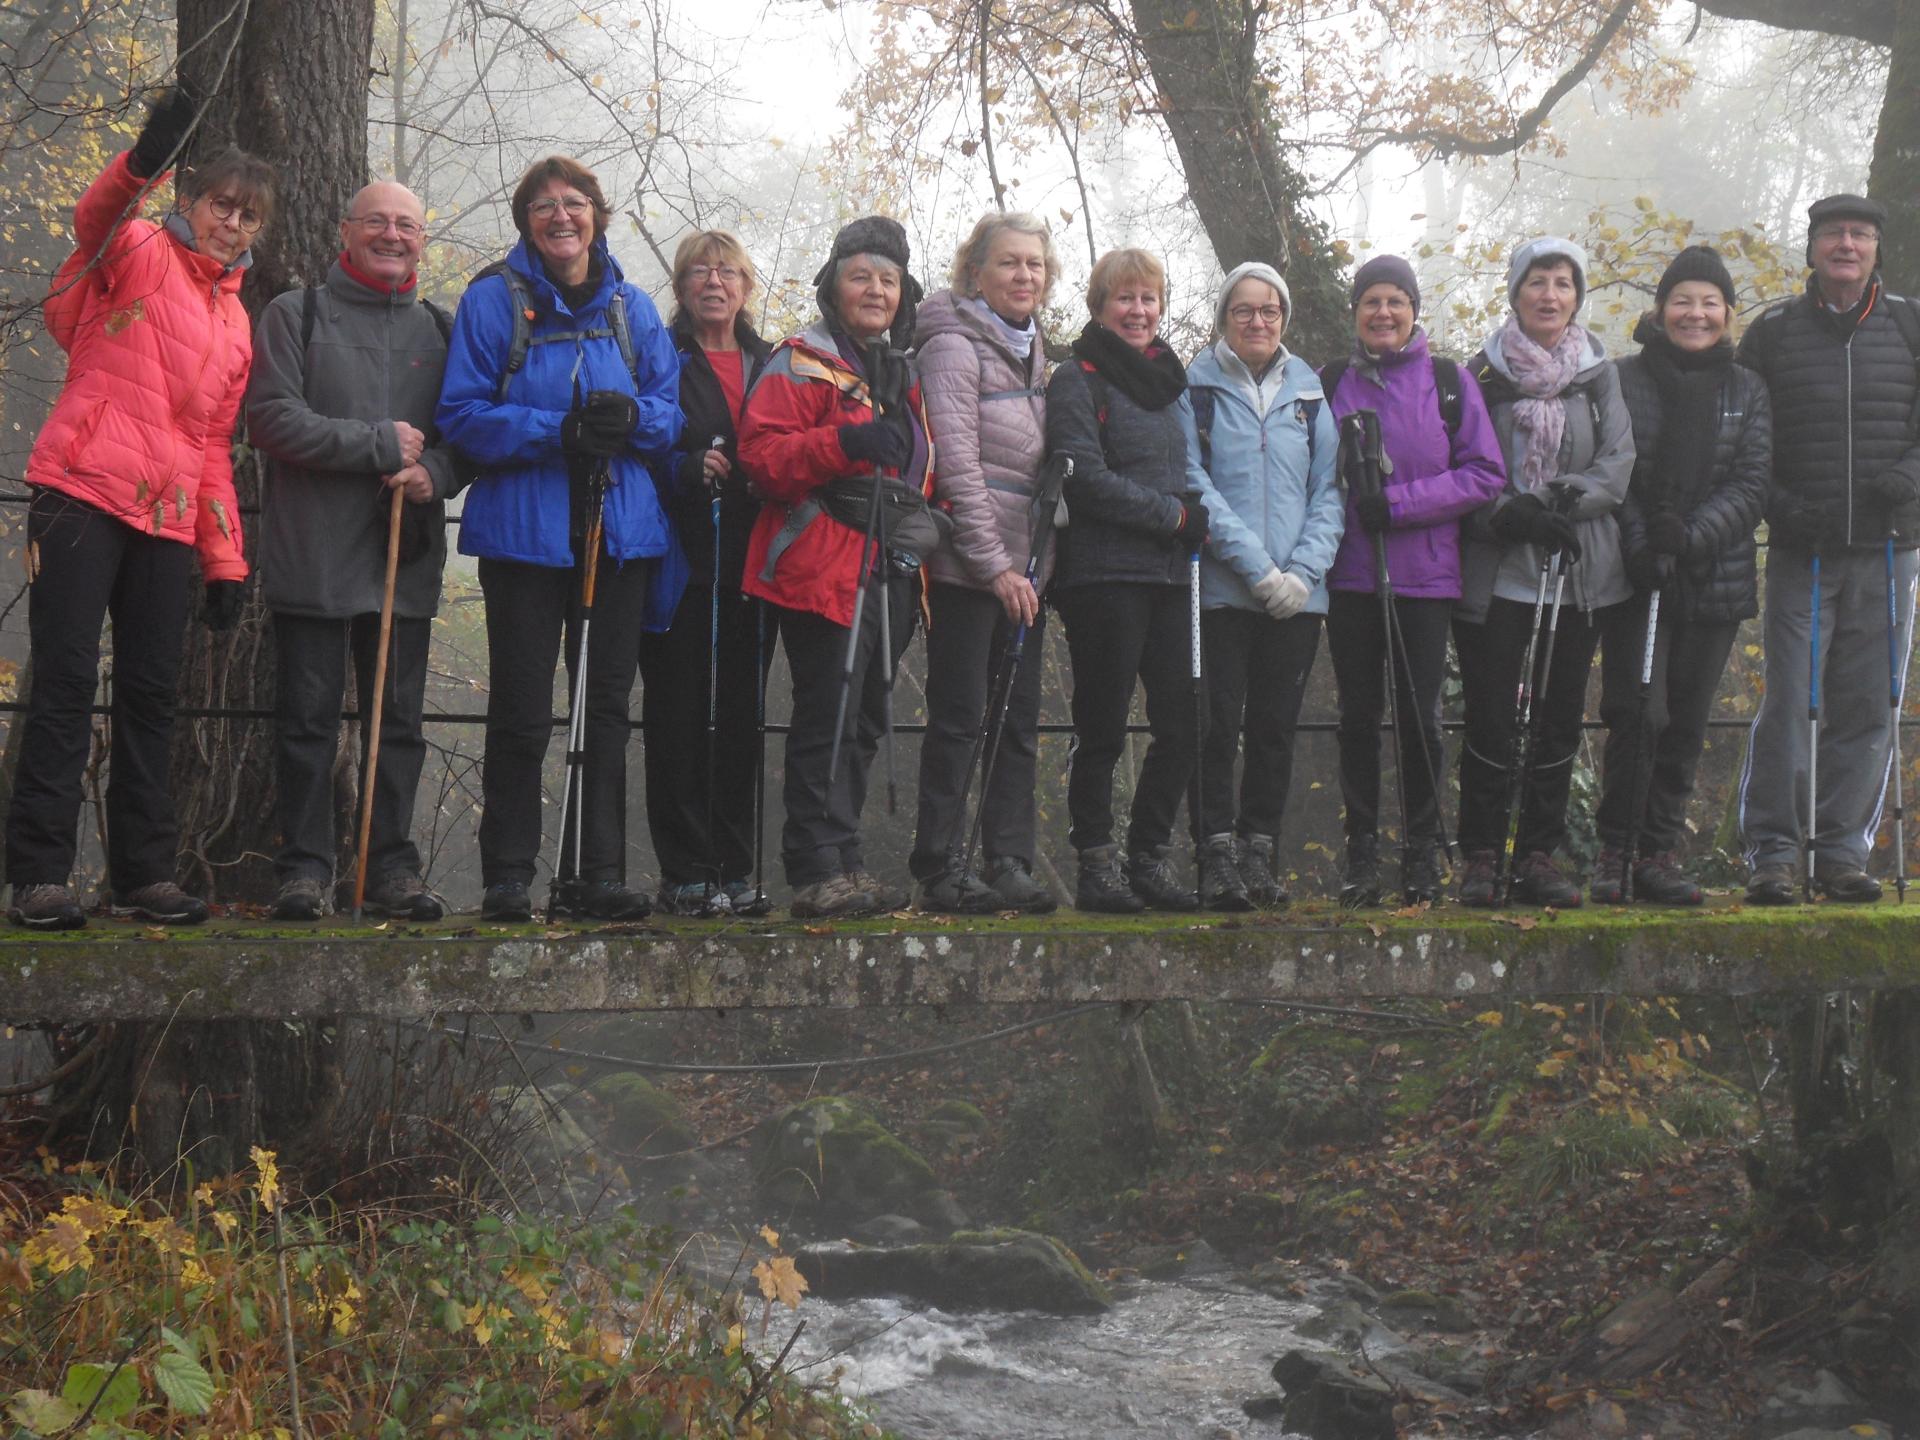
(1840, 367)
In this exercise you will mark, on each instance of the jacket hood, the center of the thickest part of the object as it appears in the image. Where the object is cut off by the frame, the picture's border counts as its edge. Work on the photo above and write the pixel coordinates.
(944, 313)
(525, 259)
(1596, 353)
(1298, 380)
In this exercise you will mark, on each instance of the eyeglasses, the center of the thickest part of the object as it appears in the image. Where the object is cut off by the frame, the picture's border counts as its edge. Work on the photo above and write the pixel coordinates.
(700, 274)
(545, 208)
(409, 229)
(225, 207)
(1858, 234)
(1268, 314)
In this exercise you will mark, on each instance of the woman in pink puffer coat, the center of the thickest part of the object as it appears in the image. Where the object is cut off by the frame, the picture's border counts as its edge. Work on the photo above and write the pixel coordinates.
(983, 371)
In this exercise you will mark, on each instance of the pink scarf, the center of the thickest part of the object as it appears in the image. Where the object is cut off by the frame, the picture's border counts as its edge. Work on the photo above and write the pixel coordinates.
(1541, 376)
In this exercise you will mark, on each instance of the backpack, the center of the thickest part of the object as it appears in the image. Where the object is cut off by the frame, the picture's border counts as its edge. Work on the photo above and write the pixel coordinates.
(309, 307)
(523, 316)
(1446, 387)
(1495, 387)
(1203, 400)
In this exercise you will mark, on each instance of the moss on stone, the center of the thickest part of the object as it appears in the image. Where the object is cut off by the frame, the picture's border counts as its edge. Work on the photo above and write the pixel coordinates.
(830, 1153)
(642, 1117)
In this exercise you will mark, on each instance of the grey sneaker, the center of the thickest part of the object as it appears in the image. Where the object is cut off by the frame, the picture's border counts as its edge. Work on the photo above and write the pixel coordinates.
(404, 896)
(162, 902)
(744, 899)
(47, 907)
(696, 900)
(958, 892)
(836, 895)
(301, 898)
(885, 896)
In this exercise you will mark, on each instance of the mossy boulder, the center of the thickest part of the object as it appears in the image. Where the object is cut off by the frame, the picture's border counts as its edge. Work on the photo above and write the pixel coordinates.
(961, 1115)
(831, 1156)
(642, 1119)
(972, 1270)
(551, 1144)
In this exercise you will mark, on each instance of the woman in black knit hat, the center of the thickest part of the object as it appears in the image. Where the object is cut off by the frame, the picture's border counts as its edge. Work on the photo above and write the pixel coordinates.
(1703, 437)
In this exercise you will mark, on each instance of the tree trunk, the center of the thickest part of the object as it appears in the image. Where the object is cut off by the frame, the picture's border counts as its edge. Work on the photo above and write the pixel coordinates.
(1250, 197)
(1894, 179)
(291, 86)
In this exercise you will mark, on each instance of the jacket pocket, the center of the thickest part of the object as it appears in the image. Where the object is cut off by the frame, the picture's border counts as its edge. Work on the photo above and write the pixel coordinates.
(83, 432)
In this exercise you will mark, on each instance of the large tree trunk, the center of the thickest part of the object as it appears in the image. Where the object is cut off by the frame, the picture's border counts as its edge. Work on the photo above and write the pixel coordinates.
(1250, 197)
(291, 86)
(1895, 178)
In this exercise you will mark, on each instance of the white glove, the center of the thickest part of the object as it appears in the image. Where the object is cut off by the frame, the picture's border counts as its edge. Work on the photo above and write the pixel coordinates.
(1269, 586)
(1289, 598)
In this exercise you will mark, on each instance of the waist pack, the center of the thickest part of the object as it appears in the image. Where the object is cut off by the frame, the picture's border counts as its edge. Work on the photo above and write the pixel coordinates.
(913, 528)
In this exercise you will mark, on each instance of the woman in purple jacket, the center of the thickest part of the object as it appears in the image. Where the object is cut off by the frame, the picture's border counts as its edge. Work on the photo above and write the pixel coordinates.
(1445, 461)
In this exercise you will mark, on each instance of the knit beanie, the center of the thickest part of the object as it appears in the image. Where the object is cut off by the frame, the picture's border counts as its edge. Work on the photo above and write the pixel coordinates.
(1385, 270)
(1547, 247)
(1844, 207)
(1252, 270)
(873, 235)
(1696, 262)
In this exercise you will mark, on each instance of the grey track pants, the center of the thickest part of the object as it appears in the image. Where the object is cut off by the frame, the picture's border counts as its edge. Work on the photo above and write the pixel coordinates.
(1856, 720)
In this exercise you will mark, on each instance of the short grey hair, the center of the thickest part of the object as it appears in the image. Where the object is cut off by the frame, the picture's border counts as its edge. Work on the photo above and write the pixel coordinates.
(971, 257)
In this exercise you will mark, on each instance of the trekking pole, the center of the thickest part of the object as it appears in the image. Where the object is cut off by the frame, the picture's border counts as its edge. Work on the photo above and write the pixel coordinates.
(1199, 689)
(1813, 731)
(1896, 686)
(1372, 466)
(1642, 756)
(380, 695)
(574, 796)
(853, 634)
(993, 720)
(759, 901)
(883, 570)
(713, 685)
(1556, 567)
(1518, 748)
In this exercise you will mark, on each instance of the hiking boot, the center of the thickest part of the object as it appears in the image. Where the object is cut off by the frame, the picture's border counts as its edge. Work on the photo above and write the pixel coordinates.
(1150, 873)
(1609, 871)
(162, 902)
(506, 901)
(403, 895)
(1480, 880)
(1658, 880)
(1361, 884)
(745, 900)
(1221, 887)
(885, 896)
(1848, 885)
(301, 898)
(47, 907)
(955, 891)
(836, 895)
(1538, 881)
(1420, 873)
(1773, 885)
(603, 900)
(1012, 880)
(1101, 885)
(1254, 856)
(696, 900)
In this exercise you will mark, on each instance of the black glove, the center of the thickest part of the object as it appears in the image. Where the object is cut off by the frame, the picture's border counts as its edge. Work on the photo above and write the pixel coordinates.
(226, 599)
(1891, 487)
(169, 118)
(1666, 533)
(1376, 515)
(876, 442)
(1194, 527)
(1526, 519)
(601, 425)
(1799, 521)
(1649, 571)
(690, 475)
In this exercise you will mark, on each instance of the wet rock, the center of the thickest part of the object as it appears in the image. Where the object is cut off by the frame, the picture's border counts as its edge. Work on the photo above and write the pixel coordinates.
(831, 1156)
(889, 1230)
(553, 1147)
(1327, 1399)
(1421, 1309)
(1344, 1325)
(1825, 1400)
(1863, 1430)
(1175, 1262)
(641, 1118)
(939, 1211)
(974, 1270)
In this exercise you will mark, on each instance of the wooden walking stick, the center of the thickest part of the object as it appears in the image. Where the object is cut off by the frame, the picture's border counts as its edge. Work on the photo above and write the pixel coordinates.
(379, 699)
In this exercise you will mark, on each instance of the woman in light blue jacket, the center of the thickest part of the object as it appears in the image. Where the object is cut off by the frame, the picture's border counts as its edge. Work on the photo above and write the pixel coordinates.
(1267, 442)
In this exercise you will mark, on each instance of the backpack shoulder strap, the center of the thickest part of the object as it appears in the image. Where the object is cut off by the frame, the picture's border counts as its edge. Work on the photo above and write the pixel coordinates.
(622, 335)
(309, 309)
(1202, 398)
(1906, 319)
(1333, 373)
(1446, 388)
(522, 301)
(441, 319)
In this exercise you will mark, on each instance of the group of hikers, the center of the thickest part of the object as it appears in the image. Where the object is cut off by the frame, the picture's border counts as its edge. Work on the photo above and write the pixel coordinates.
(679, 498)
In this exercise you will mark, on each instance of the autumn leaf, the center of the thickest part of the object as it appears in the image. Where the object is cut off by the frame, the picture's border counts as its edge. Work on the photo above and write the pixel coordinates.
(269, 1185)
(780, 1280)
(771, 1236)
(1492, 1019)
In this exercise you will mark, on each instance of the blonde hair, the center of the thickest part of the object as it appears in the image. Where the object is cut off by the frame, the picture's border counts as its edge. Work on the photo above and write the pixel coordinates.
(710, 247)
(971, 258)
(1124, 267)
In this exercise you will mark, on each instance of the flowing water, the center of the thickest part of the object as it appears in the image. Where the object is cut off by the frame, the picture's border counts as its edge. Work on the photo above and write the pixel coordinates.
(1170, 1361)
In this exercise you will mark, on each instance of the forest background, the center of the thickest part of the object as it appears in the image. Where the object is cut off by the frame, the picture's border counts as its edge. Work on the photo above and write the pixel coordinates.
(1309, 135)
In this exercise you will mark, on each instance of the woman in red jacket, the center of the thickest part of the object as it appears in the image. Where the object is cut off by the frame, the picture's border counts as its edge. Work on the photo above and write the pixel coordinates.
(834, 423)
(131, 475)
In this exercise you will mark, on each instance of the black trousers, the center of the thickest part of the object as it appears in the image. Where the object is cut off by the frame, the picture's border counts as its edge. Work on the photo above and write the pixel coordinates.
(1256, 672)
(1656, 761)
(528, 608)
(966, 641)
(92, 567)
(821, 836)
(1357, 641)
(310, 686)
(674, 670)
(1491, 654)
(1117, 633)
